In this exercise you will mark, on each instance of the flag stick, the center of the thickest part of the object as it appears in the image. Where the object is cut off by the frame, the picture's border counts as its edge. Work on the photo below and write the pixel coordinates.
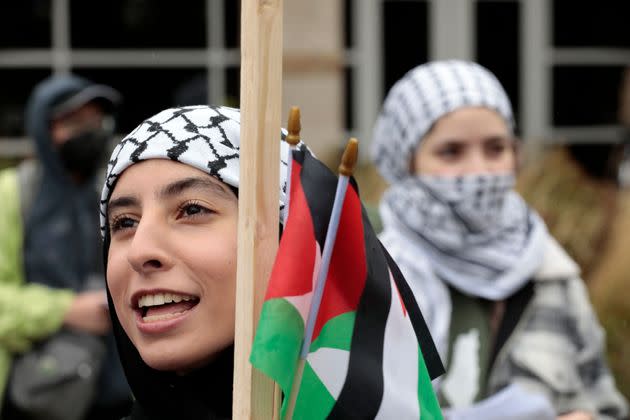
(293, 138)
(348, 161)
(258, 219)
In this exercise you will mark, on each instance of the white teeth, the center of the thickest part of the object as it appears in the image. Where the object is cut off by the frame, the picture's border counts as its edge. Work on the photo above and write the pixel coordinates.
(162, 317)
(161, 298)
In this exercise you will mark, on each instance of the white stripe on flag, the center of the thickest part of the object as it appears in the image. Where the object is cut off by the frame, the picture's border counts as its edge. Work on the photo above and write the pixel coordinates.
(400, 364)
(303, 302)
(331, 366)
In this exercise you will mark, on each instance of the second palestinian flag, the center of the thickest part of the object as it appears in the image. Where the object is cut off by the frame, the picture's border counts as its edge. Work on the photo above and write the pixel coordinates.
(371, 355)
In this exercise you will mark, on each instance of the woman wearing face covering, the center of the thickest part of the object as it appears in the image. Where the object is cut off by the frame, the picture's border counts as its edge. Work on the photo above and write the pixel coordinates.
(505, 304)
(169, 219)
(51, 272)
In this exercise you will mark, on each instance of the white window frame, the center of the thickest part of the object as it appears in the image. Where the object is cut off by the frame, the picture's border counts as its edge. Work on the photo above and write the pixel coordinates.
(452, 34)
(61, 58)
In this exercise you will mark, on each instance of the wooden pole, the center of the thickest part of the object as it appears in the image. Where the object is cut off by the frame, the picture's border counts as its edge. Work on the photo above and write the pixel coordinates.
(261, 85)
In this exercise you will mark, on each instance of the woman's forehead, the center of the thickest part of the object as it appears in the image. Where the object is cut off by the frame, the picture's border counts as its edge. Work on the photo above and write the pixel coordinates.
(470, 122)
(154, 175)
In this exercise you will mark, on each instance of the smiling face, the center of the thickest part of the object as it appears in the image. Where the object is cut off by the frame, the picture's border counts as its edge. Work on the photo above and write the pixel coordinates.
(172, 262)
(467, 141)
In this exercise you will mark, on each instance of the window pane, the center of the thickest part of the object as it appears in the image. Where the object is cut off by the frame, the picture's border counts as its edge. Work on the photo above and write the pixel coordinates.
(498, 44)
(586, 95)
(145, 91)
(233, 86)
(349, 99)
(193, 91)
(602, 23)
(16, 86)
(232, 23)
(348, 23)
(25, 24)
(406, 38)
(138, 24)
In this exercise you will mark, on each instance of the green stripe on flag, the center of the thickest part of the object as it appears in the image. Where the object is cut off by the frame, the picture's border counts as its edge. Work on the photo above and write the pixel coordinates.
(336, 333)
(429, 406)
(314, 402)
(277, 343)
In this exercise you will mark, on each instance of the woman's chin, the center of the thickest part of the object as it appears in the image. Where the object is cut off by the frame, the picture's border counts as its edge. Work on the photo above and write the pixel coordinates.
(171, 360)
(166, 364)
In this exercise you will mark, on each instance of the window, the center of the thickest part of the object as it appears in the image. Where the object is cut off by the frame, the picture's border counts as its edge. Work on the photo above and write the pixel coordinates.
(137, 24)
(156, 53)
(497, 45)
(25, 24)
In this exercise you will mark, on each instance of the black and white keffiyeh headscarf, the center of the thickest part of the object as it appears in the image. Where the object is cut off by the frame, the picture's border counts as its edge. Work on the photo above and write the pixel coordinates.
(424, 95)
(471, 232)
(477, 233)
(204, 137)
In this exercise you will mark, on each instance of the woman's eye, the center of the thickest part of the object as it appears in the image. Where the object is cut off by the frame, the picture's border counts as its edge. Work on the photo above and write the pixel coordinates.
(495, 149)
(121, 223)
(192, 210)
(449, 152)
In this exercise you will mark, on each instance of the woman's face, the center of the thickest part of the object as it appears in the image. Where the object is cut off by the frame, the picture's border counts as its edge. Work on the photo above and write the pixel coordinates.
(172, 262)
(466, 141)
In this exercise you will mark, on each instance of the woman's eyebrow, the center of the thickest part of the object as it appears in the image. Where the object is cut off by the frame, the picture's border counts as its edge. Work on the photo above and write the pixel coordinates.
(124, 201)
(497, 138)
(181, 185)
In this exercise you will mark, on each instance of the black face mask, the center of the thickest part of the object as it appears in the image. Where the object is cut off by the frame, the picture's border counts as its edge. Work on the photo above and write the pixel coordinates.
(82, 154)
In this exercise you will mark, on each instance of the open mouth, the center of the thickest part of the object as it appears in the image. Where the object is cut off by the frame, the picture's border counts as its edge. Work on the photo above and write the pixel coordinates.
(162, 306)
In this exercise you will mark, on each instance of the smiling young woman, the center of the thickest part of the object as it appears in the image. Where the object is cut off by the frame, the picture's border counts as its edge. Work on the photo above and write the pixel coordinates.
(169, 214)
(172, 262)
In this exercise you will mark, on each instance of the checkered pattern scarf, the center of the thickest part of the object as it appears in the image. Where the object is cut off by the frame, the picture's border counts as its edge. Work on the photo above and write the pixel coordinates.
(423, 96)
(204, 137)
(472, 232)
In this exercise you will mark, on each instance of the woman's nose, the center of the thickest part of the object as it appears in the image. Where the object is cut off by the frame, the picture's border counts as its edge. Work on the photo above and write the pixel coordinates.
(477, 163)
(148, 252)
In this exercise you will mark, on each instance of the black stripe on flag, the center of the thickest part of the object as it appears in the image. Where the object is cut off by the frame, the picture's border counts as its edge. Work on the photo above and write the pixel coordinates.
(365, 368)
(427, 346)
(319, 186)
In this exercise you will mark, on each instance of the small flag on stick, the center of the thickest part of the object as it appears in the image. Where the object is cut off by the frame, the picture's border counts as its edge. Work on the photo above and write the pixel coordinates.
(367, 352)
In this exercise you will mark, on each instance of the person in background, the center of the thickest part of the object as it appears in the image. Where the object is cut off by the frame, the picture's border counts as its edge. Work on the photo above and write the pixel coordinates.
(51, 274)
(580, 191)
(504, 302)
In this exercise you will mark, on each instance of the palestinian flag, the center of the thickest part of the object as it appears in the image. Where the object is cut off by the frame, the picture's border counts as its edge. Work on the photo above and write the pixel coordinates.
(371, 355)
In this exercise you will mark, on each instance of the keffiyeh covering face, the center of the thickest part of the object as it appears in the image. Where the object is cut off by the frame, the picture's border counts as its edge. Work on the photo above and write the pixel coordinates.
(477, 233)
(204, 137)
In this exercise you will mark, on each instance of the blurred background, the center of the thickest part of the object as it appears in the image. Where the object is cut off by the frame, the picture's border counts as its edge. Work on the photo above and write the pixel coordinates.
(562, 63)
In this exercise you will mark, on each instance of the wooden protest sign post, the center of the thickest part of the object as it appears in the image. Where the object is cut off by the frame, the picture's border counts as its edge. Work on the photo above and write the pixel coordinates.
(261, 97)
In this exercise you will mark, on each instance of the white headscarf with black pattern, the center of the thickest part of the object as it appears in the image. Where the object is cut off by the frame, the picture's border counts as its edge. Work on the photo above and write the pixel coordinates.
(424, 95)
(204, 137)
(471, 232)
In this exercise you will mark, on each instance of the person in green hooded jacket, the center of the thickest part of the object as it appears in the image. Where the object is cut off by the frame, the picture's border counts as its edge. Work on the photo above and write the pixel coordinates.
(50, 264)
